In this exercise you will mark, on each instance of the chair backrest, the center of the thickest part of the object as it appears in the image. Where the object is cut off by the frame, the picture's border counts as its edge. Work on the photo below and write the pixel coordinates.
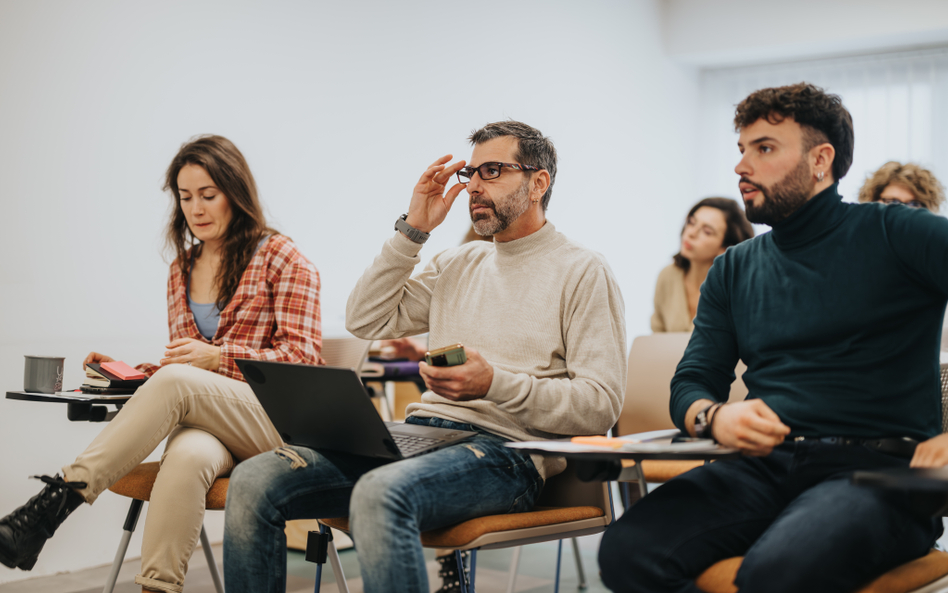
(567, 490)
(652, 363)
(348, 353)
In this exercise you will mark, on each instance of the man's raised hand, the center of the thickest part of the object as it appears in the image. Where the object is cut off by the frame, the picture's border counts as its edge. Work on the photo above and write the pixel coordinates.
(429, 202)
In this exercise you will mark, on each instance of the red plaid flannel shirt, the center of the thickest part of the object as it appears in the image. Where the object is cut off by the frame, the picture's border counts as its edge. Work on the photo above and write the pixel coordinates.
(274, 314)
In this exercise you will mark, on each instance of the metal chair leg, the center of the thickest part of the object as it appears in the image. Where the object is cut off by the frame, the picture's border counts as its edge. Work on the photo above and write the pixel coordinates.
(473, 568)
(340, 576)
(313, 555)
(211, 562)
(131, 521)
(580, 571)
(559, 556)
(643, 487)
(514, 567)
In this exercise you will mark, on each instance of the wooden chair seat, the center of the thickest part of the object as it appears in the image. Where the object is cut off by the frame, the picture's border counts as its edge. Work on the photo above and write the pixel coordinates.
(138, 483)
(461, 534)
(902, 579)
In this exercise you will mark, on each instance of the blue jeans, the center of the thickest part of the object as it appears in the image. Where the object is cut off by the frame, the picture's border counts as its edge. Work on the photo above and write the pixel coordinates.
(793, 515)
(388, 504)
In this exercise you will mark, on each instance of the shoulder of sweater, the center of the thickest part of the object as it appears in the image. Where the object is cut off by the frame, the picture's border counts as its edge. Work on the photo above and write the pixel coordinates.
(670, 273)
(577, 252)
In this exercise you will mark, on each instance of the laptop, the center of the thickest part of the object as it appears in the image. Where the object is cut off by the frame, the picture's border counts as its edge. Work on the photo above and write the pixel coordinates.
(328, 408)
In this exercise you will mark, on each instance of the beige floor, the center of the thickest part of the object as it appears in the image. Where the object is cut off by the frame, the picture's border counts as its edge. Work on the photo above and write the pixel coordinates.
(199, 579)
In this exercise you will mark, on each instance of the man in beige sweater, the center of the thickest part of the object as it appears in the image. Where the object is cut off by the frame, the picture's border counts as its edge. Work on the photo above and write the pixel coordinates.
(541, 319)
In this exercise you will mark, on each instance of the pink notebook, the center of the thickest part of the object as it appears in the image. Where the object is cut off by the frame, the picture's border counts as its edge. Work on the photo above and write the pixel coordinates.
(122, 370)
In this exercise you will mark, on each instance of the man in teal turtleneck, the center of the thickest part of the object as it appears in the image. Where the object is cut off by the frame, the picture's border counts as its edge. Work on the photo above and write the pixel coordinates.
(837, 313)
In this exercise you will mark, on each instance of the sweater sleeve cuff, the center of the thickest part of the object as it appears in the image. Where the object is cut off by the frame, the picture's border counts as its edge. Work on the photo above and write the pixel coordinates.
(404, 245)
(502, 387)
(684, 401)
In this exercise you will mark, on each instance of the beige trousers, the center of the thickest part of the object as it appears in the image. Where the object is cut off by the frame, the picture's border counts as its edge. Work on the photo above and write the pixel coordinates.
(211, 423)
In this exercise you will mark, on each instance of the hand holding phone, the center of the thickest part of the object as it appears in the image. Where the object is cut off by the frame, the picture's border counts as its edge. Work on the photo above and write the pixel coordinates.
(457, 378)
(446, 357)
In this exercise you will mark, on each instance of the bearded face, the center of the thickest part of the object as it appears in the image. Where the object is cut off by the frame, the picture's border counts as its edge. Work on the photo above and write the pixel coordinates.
(498, 215)
(783, 198)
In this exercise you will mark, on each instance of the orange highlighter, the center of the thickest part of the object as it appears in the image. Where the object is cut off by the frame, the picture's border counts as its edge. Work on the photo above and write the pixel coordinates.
(597, 441)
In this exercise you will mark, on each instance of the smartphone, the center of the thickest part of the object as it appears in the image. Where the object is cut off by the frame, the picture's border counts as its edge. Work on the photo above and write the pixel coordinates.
(447, 356)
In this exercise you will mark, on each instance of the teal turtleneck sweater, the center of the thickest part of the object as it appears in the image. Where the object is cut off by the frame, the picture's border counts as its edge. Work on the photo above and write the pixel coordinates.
(837, 314)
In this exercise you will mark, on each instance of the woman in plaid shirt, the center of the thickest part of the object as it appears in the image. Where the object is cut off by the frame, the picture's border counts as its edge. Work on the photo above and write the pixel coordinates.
(237, 289)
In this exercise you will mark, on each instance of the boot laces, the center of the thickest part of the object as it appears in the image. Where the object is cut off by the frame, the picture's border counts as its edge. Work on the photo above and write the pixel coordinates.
(35, 508)
(449, 573)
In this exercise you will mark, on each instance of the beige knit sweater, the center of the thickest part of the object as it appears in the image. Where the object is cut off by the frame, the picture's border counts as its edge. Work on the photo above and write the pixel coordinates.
(544, 311)
(671, 302)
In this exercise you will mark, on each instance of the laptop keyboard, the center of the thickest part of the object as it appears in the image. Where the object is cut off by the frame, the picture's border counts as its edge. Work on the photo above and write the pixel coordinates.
(410, 445)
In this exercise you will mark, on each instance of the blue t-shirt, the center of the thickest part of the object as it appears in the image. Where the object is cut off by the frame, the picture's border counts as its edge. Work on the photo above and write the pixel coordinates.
(207, 316)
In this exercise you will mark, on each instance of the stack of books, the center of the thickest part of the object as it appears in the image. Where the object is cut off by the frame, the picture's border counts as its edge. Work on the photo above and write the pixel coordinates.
(112, 378)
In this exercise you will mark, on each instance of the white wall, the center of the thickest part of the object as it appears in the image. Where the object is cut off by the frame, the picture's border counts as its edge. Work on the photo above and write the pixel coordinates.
(338, 107)
(730, 32)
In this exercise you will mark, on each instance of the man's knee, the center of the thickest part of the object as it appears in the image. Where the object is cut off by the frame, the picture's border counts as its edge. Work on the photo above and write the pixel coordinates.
(249, 488)
(627, 554)
(375, 490)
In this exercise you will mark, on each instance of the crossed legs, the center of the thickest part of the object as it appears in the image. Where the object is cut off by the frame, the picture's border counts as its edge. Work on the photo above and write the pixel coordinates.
(212, 421)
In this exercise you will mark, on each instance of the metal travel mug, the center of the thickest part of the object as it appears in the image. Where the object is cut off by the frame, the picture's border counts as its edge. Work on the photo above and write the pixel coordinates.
(43, 374)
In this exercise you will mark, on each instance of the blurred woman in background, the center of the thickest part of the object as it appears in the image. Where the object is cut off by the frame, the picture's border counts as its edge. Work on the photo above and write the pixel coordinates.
(712, 225)
(909, 184)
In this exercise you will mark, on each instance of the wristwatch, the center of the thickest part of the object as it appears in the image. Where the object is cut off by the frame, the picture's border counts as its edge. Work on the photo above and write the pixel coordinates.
(702, 427)
(411, 232)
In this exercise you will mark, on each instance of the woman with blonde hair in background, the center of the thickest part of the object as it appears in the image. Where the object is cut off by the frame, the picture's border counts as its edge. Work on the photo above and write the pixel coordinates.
(712, 225)
(912, 186)
(909, 184)
(237, 290)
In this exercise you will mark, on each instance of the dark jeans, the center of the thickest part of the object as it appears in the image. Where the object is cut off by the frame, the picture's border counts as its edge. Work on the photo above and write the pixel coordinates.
(388, 505)
(793, 515)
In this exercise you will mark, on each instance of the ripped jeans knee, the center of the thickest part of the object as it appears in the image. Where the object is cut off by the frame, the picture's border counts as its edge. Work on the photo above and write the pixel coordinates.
(296, 460)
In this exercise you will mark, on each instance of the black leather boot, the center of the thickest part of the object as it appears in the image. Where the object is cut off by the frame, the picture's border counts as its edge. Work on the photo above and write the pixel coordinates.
(449, 573)
(24, 532)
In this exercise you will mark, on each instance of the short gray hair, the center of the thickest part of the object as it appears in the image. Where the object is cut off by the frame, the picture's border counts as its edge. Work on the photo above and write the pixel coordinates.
(533, 148)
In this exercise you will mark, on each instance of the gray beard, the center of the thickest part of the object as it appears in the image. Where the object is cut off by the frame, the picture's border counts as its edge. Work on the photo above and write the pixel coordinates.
(512, 206)
(783, 198)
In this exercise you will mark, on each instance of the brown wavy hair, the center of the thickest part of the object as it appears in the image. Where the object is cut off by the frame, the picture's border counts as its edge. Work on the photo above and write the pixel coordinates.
(228, 169)
(924, 186)
(738, 229)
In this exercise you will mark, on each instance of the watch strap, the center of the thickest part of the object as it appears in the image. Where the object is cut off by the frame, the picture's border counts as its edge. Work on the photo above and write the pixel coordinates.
(409, 231)
(702, 426)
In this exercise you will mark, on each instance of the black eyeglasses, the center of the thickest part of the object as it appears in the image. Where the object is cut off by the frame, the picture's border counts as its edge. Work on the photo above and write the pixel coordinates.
(490, 171)
(912, 204)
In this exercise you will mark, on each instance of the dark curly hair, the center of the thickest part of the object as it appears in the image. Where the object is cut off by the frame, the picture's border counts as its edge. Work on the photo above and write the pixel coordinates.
(738, 229)
(821, 115)
(229, 170)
